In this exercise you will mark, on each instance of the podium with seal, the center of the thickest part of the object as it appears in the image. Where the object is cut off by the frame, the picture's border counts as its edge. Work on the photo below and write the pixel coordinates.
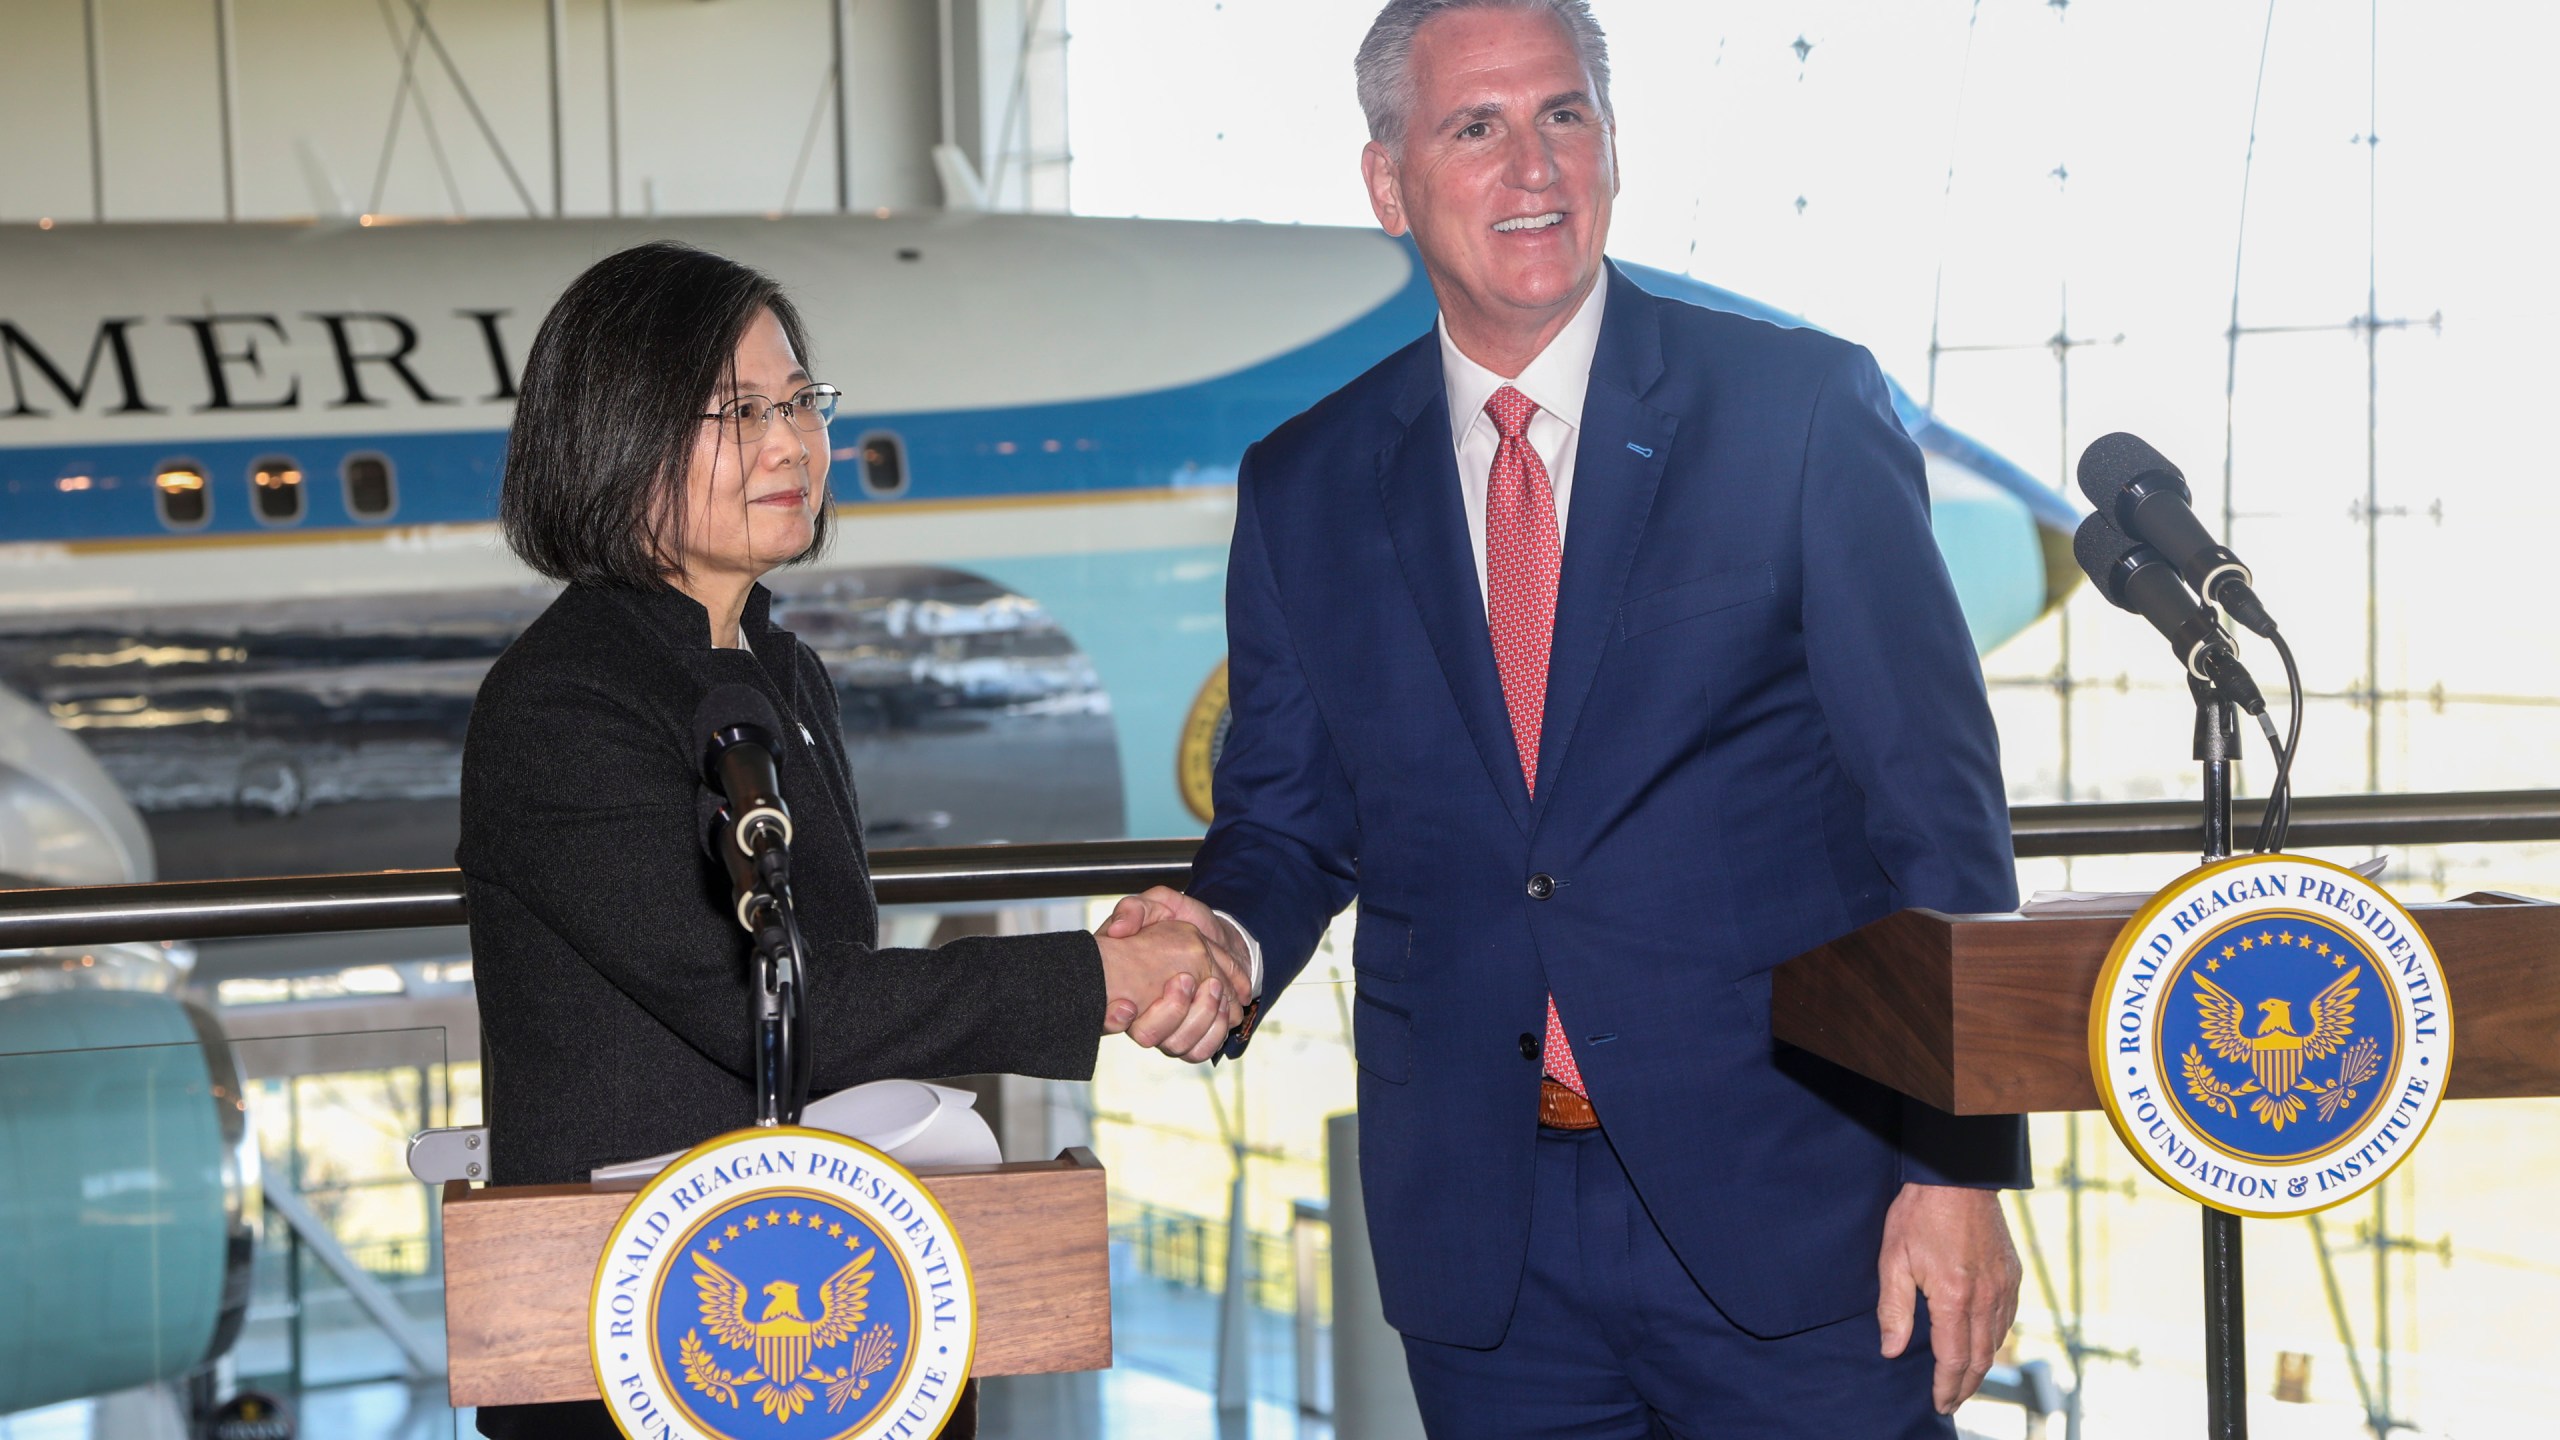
(2016, 1014)
(1989, 1014)
(2269, 1034)
(521, 1263)
(779, 1272)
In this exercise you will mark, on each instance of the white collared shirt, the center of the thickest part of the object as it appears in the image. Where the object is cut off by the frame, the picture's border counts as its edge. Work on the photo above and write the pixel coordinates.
(1557, 380)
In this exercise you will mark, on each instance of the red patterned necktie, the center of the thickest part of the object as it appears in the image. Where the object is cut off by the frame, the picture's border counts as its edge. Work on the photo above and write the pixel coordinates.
(1522, 557)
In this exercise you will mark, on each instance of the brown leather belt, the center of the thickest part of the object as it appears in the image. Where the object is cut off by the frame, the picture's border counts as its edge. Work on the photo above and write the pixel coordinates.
(1560, 1109)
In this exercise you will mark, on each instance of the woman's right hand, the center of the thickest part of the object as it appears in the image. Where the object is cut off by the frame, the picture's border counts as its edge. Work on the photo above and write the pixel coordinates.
(1165, 990)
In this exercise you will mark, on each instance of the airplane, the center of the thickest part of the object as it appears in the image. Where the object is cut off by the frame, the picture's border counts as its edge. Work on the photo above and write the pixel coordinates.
(248, 475)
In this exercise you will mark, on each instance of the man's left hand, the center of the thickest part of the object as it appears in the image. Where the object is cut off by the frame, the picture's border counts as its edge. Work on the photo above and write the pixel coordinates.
(1950, 1244)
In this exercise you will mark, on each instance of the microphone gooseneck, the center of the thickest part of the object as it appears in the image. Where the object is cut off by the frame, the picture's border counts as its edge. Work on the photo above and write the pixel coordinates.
(2147, 498)
(2136, 577)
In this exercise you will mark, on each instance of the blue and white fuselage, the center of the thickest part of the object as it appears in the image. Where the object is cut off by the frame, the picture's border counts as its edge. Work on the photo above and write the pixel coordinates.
(248, 475)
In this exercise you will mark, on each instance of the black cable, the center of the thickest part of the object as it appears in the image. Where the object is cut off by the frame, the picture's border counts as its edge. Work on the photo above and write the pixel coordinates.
(2278, 820)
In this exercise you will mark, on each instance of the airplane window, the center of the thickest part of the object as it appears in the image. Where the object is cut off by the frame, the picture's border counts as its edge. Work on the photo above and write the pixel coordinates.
(275, 486)
(370, 492)
(185, 503)
(884, 465)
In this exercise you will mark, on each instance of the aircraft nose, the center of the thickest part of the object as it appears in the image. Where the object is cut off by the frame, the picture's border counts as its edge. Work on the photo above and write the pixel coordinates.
(2062, 573)
(2011, 563)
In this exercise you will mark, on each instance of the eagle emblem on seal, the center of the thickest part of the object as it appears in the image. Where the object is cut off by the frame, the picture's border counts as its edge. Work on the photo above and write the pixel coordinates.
(784, 1340)
(2276, 1052)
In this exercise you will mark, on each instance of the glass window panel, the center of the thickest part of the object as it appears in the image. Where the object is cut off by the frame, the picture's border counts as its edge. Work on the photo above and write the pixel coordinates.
(184, 500)
(884, 465)
(275, 490)
(371, 491)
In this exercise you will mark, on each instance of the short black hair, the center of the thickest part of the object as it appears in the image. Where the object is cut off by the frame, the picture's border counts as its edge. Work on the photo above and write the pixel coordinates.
(622, 370)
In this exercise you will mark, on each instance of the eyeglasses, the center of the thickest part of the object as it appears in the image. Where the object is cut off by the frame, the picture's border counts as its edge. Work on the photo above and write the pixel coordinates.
(749, 416)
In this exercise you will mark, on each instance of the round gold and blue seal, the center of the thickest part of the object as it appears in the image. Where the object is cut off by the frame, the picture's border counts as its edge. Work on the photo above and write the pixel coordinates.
(1204, 739)
(2271, 1035)
(782, 1284)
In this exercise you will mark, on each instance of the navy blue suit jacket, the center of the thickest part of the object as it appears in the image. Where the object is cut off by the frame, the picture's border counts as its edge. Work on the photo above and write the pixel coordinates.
(1765, 726)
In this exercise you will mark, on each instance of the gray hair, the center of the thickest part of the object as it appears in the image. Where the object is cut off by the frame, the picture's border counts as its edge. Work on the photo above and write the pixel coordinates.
(1384, 66)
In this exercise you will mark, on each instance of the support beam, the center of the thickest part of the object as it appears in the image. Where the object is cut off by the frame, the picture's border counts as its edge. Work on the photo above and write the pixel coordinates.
(471, 105)
(948, 67)
(97, 110)
(613, 105)
(418, 1345)
(841, 13)
(1011, 140)
(556, 27)
(227, 74)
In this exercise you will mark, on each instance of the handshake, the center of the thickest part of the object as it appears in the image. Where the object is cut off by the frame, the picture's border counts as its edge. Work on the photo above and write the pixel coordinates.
(1176, 974)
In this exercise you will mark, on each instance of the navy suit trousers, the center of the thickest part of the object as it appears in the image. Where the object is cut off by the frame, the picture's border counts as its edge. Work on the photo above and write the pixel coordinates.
(1612, 1340)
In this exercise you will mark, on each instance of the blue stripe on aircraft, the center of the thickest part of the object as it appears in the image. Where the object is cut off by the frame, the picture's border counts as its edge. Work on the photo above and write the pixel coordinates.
(1185, 435)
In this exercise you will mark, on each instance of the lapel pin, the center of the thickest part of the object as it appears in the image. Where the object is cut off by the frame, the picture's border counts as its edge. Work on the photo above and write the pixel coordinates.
(1639, 449)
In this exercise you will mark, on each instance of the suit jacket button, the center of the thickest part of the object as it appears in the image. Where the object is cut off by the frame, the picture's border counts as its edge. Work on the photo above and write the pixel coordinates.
(1529, 1047)
(1541, 886)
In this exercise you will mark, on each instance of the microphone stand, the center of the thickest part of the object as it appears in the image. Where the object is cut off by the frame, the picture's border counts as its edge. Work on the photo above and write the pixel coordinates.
(2217, 748)
(2225, 1349)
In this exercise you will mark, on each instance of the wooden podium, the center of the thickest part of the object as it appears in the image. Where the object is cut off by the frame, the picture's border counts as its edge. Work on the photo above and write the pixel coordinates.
(1989, 1014)
(519, 1261)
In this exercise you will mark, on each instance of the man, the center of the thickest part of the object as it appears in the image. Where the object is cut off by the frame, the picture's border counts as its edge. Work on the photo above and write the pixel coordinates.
(1598, 643)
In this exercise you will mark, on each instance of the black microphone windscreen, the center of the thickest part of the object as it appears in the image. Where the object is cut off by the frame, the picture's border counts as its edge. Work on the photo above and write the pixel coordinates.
(2115, 461)
(2101, 549)
(726, 707)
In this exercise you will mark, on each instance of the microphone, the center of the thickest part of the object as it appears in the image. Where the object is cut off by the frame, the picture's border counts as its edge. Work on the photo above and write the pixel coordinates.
(2147, 498)
(2134, 576)
(733, 731)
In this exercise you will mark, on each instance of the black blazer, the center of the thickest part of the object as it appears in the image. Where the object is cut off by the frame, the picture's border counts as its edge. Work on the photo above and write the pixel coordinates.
(612, 976)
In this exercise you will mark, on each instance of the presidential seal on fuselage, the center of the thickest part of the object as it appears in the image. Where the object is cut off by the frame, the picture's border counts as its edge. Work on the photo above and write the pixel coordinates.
(2271, 1035)
(782, 1284)
(1204, 738)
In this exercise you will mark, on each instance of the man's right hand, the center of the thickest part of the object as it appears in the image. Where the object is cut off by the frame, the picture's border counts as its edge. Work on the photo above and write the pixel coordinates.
(1167, 988)
(1166, 903)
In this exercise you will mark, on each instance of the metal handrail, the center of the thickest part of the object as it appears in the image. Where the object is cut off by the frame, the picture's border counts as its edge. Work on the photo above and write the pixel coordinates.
(2155, 827)
(411, 899)
(403, 899)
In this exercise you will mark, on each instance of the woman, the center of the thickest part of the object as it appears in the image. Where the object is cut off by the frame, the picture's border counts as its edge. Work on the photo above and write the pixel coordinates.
(670, 449)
